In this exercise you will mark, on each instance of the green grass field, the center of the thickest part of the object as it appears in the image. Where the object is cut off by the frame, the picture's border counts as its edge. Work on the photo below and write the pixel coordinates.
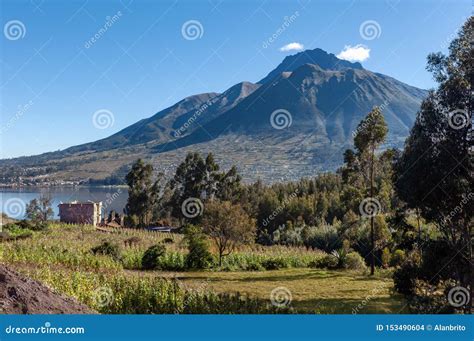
(61, 258)
(312, 290)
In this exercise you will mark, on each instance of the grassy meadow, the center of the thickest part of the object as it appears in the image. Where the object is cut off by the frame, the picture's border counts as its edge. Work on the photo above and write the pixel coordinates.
(61, 258)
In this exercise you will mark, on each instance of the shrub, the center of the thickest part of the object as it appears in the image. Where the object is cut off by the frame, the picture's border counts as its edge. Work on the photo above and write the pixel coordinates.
(132, 241)
(168, 240)
(275, 264)
(385, 257)
(323, 238)
(254, 267)
(108, 249)
(151, 257)
(326, 262)
(397, 258)
(198, 256)
(131, 221)
(354, 261)
(340, 255)
(404, 278)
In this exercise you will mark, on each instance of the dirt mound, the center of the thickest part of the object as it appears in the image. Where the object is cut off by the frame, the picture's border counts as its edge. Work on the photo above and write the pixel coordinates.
(22, 295)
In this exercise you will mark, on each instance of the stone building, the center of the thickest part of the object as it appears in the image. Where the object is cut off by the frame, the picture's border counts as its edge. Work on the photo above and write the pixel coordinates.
(80, 212)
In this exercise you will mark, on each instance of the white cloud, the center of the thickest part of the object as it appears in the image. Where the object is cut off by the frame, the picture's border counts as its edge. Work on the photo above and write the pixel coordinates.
(357, 53)
(292, 47)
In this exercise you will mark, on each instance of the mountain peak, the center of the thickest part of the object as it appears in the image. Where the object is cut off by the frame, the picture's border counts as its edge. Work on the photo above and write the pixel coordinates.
(319, 57)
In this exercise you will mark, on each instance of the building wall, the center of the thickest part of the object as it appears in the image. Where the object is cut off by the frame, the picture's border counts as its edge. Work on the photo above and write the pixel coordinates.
(80, 213)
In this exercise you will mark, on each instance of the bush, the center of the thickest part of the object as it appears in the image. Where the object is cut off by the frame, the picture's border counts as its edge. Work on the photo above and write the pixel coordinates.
(132, 241)
(385, 257)
(168, 240)
(326, 262)
(151, 257)
(199, 256)
(398, 256)
(404, 278)
(323, 238)
(275, 264)
(354, 261)
(340, 255)
(131, 221)
(108, 249)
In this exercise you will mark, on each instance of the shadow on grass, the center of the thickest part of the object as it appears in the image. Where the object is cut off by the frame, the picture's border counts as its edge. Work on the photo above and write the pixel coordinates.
(273, 276)
(375, 305)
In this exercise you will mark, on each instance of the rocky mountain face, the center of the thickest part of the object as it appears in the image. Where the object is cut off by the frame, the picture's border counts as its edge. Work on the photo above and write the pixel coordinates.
(294, 122)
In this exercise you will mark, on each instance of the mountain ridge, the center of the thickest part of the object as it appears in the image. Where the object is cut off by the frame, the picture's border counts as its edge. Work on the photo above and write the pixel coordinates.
(324, 98)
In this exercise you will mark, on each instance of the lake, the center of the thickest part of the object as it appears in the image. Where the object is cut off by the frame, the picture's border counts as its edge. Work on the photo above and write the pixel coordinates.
(14, 200)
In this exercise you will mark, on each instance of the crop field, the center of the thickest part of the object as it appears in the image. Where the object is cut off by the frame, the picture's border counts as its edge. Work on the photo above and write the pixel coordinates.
(251, 280)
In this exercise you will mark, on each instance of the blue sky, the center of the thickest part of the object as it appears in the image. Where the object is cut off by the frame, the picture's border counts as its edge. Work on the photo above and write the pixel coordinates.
(53, 78)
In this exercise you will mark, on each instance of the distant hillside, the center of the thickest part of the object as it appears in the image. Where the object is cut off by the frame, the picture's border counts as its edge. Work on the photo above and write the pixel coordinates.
(316, 101)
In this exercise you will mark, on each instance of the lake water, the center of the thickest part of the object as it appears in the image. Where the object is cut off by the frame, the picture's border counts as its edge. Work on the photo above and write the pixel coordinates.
(14, 201)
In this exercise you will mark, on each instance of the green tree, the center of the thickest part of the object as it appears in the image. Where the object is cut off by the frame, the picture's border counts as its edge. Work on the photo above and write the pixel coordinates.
(361, 166)
(228, 226)
(39, 210)
(140, 193)
(198, 256)
(435, 172)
